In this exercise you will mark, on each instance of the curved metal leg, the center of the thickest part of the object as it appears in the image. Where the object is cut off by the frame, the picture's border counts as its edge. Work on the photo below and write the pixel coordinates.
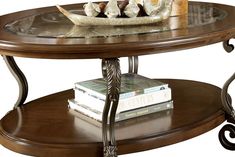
(20, 78)
(112, 74)
(133, 64)
(230, 117)
(227, 46)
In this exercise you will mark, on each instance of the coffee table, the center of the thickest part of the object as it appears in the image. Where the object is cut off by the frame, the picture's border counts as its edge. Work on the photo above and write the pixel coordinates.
(44, 127)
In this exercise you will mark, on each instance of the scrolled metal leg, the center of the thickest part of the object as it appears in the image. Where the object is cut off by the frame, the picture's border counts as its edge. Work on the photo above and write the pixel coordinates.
(133, 64)
(20, 78)
(230, 113)
(227, 46)
(112, 74)
(223, 140)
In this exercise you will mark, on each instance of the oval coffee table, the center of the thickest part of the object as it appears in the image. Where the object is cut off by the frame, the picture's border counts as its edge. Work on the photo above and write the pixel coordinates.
(44, 127)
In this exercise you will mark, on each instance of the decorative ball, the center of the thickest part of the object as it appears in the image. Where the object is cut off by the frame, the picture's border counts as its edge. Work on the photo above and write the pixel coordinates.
(102, 6)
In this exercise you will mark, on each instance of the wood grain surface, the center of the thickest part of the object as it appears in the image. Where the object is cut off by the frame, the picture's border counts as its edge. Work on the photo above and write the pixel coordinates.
(45, 127)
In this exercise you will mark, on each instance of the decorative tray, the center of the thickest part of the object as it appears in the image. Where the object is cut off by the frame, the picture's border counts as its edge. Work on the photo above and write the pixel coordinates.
(129, 12)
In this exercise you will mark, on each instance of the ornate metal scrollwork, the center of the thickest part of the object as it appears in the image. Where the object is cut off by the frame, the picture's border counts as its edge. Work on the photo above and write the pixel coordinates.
(20, 78)
(112, 74)
(133, 64)
(227, 46)
(110, 151)
(230, 115)
(223, 140)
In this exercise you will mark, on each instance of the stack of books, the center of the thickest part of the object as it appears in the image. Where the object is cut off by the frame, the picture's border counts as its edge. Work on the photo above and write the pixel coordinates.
(138, 96)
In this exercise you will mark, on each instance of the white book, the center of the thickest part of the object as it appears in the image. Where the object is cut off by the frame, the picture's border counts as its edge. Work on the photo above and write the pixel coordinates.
(96, 115)
(126, 104)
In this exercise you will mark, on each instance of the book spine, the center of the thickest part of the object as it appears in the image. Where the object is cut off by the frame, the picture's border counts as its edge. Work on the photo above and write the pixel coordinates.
(90, 92)
(125, 104)
(144, 91)
(85, 110)
(89, 100)
(157, 88)
(122, 95)
(144, 111)
(144, 100)
(96, 115)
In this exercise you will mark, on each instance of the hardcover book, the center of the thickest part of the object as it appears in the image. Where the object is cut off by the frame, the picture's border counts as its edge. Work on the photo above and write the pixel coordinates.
(131, 85)
(126, 104)
(94, 116)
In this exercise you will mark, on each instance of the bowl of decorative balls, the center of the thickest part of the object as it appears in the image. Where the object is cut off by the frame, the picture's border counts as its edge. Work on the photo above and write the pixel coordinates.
(121, 13)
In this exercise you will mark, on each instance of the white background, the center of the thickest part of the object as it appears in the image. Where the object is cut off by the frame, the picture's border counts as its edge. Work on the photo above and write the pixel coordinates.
(208, 64)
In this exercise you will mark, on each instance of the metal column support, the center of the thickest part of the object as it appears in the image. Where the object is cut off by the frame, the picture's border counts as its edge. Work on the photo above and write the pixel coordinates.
(112, 75)
(133, 64)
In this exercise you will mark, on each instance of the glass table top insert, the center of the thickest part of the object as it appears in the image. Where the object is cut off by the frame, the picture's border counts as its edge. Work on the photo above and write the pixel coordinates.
(55, 24)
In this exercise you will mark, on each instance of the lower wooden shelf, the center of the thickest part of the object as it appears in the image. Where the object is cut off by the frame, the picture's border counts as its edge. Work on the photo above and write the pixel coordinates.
(44, 127)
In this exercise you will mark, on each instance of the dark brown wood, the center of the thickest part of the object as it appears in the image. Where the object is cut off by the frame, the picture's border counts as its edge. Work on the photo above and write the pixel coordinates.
(44, 127)
(131, 45)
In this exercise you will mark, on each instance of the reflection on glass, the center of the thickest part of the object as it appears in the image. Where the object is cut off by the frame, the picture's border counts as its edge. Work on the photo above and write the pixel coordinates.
(56, 25)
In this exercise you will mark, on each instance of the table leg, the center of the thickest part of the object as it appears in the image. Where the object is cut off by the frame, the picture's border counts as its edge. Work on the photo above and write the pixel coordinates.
(227, 46)
(133, 64)
(230, 116)
(20, 78)
(112, 74)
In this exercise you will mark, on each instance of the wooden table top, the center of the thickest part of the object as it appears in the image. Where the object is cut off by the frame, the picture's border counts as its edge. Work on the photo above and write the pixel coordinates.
(45, 33)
